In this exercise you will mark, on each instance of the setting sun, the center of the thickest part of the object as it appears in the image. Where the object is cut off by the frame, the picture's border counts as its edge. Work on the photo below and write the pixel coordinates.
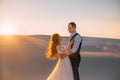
(7, 29)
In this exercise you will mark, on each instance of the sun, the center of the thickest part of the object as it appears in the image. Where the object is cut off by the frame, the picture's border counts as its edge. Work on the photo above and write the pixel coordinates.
(8, 29)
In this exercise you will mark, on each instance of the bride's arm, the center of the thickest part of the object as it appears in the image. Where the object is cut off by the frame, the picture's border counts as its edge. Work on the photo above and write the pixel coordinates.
(64, 51)
(60, 52)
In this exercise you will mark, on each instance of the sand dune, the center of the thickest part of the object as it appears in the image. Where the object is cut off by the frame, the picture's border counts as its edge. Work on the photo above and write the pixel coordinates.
(23, 58)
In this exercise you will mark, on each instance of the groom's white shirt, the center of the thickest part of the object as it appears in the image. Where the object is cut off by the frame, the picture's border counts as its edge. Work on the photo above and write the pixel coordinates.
(77, 41)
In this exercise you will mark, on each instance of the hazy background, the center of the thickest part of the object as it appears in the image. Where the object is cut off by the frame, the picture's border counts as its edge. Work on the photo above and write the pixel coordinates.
(22, 55)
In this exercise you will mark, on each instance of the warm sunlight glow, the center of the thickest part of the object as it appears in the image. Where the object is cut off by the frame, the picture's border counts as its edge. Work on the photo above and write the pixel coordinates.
(8, 29)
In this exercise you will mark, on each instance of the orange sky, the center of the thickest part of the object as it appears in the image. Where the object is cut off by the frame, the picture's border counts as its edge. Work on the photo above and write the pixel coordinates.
(95, 18)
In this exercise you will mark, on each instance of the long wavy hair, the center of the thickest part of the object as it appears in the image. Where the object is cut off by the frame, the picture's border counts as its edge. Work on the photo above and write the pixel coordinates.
(52, 50)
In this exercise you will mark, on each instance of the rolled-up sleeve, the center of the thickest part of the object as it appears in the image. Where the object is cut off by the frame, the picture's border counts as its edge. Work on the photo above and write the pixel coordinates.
(76, 44)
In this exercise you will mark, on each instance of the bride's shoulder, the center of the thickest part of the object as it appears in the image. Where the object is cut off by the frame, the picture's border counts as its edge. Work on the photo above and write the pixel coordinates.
(58, 46)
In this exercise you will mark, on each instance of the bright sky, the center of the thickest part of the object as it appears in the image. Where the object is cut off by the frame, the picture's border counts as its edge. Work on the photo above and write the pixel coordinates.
(94, 18)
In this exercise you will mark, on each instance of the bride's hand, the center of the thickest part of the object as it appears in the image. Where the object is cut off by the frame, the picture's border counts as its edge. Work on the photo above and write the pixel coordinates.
(66, 52)
(62, 56)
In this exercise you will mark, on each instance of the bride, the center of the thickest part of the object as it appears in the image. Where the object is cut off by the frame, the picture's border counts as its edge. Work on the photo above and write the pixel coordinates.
(63, 68)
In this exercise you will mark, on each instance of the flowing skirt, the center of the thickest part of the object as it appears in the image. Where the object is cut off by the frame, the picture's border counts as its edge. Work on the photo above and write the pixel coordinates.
(62, 71)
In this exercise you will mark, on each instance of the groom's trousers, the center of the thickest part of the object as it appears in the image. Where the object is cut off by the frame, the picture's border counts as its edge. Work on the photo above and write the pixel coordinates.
(75, 67)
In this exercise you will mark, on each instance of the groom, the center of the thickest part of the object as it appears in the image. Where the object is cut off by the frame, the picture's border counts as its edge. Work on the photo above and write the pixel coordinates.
(75, 57)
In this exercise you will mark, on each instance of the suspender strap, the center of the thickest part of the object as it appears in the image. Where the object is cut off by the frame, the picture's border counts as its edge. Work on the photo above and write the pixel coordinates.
(74, 36)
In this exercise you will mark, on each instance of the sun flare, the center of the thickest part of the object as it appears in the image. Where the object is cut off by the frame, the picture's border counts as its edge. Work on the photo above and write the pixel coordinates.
(8, 29)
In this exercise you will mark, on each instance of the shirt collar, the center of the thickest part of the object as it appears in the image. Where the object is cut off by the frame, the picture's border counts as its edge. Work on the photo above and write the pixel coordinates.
(73, 33)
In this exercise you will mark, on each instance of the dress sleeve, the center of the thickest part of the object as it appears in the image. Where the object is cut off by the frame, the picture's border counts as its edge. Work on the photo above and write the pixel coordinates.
(58, 50)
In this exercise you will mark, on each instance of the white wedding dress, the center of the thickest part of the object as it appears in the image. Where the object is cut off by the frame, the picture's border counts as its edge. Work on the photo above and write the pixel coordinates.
(62, 70)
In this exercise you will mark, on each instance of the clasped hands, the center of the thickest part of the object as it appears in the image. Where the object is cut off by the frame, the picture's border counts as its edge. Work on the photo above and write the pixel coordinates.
(62, 56)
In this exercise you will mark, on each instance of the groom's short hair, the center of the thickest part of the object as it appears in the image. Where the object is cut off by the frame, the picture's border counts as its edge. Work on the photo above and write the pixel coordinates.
(73, 24)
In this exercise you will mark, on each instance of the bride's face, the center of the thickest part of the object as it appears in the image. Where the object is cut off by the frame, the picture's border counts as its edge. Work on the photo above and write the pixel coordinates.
(60, 39)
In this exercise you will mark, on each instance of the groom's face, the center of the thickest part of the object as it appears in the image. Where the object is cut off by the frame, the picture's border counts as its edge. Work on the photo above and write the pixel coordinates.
(71, 29)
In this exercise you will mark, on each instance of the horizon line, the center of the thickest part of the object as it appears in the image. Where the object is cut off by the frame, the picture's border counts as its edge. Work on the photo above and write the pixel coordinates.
(50, 35)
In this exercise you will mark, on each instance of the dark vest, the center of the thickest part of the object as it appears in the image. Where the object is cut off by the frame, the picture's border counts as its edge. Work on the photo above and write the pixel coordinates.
(76, 57)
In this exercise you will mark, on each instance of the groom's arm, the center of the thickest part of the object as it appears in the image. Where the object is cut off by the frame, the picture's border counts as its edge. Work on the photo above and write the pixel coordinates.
(76, 44)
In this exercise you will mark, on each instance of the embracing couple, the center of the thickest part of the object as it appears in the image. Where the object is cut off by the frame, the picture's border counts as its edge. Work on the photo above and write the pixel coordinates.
(69, 57)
